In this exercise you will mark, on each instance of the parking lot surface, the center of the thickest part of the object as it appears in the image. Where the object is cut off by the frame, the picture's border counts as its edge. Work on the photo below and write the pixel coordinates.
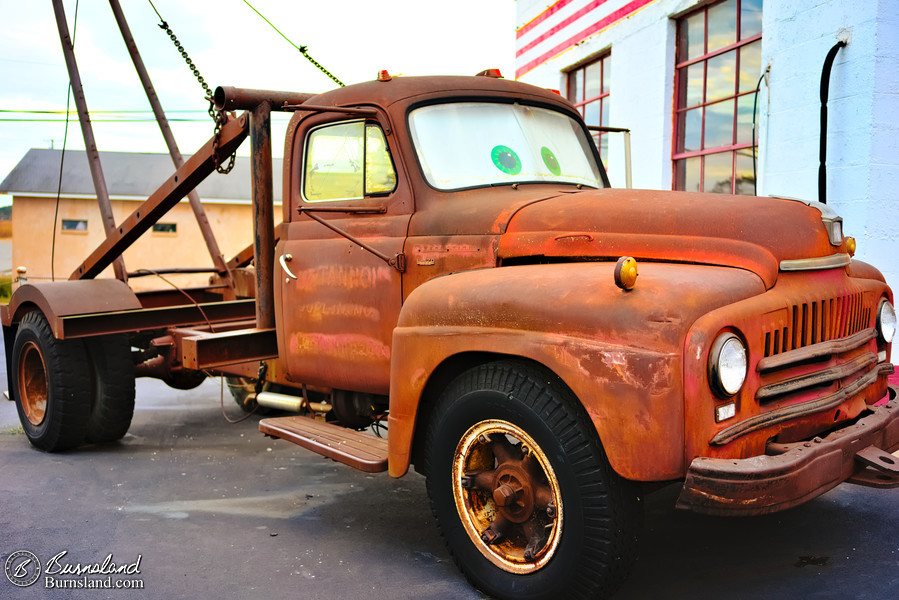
(196, 507)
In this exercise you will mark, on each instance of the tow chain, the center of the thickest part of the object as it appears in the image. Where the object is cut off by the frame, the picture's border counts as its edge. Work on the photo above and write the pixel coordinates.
(219, 117)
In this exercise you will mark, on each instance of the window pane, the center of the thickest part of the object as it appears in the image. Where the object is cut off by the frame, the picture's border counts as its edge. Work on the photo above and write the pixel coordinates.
(334, 163)
(687, 177)
(722, 25)
(592, 80)
(691, 82)
(743, 183)
(744, 119)
(750, 65)
(604, 103)
(591, 113)
(380, 177)
(604, 149)
(691, 36)
(750, 18)
(690, 124)
(721, 77)
(718, 173)
(606, 74)
(576, 85)
(74, 225)
(719, 124)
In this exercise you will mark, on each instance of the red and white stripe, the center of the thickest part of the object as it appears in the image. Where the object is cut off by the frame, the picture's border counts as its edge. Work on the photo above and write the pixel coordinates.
(563, 24)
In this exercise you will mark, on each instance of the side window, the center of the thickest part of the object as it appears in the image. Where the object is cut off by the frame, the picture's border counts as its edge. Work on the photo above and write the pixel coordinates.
(347, 161)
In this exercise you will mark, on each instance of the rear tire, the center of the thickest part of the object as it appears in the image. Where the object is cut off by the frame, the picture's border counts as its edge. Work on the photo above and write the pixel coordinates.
(549, 521)
(112, 373)
(51, 385)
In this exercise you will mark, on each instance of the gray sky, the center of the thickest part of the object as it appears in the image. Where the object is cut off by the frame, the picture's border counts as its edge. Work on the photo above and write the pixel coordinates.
(230, 45)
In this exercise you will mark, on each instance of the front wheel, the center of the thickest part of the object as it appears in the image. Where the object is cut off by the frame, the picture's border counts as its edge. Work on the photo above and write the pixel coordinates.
(522, 490)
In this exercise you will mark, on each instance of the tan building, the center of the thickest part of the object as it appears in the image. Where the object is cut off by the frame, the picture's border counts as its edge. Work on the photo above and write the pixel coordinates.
(175, 241)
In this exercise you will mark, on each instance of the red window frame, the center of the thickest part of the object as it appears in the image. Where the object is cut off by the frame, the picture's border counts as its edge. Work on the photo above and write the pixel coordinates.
(576, 93)
(682, 155)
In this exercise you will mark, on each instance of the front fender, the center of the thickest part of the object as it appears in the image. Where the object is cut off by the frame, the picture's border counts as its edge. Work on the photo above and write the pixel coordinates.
(619, 352)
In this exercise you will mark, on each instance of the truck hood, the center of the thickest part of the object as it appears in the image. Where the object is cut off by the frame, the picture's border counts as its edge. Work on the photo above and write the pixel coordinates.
(748, 232)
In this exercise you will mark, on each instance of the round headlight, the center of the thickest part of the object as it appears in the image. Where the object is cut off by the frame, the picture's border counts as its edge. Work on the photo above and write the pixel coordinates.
(886, 321)
(727, 365)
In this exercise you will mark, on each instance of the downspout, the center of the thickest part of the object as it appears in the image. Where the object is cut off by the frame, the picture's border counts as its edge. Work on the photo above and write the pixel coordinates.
(822, 155)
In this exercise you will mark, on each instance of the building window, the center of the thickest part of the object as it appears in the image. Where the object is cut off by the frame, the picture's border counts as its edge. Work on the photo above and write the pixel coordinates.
(719, 55)
(74, 225)
(588, 89)
(170, 228)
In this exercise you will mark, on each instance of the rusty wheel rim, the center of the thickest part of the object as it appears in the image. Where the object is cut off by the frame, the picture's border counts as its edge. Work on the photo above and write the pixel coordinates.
(33, 384)
(507, 496)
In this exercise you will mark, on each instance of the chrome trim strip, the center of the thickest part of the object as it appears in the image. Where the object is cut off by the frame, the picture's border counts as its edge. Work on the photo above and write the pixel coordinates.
(820, 263)
(782, 388)
(787, 413)
(786, 359)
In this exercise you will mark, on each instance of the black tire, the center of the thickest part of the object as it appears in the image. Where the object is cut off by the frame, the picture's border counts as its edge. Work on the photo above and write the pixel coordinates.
(51, 385)
(568, 529)
(112, 378)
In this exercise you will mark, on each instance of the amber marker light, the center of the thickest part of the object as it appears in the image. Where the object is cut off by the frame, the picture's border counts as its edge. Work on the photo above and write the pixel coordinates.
(850, 246)
(626, 273)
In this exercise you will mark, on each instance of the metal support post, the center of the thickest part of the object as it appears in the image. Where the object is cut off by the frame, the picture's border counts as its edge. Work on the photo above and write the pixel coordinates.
(90, 144)
(178, 160)
(263, 213)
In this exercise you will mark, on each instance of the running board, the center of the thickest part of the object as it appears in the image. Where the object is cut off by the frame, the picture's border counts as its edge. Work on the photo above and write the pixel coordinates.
(357, 449)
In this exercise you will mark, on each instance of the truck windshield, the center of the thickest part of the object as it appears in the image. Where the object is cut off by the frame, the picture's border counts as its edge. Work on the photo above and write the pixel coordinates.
(472, 144)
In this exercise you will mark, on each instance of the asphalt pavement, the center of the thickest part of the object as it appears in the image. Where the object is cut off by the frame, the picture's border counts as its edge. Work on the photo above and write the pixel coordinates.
(190, 506)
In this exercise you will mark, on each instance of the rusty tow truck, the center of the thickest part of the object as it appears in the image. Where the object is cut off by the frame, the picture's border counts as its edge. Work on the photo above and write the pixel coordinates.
(546, 348)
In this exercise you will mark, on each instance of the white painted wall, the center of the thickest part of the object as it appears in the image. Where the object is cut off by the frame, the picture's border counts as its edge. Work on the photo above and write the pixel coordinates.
(863, 132)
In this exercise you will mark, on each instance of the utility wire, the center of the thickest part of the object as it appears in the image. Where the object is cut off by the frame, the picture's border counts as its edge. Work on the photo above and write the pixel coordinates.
(302, 49)
(66, 120)
(93, 112)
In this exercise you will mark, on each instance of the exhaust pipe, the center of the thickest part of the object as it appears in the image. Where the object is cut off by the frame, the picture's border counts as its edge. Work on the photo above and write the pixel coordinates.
(288, 402)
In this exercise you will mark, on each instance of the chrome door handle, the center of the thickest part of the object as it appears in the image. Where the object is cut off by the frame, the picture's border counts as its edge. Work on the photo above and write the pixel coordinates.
(286, 258)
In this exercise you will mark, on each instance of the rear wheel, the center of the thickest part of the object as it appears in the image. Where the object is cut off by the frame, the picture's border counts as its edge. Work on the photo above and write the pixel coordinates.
(112, 371)
(51, 385)
(522, 490)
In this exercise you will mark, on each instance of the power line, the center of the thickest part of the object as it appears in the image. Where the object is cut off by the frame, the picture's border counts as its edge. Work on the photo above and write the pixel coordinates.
(123, 120)
(302, 49)
(73, 112)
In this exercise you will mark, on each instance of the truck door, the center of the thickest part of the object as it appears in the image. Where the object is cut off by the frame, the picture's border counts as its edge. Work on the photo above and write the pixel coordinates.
(337, 303)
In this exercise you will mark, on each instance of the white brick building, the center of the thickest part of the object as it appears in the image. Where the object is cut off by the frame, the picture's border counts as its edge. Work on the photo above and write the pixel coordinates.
(682, 75)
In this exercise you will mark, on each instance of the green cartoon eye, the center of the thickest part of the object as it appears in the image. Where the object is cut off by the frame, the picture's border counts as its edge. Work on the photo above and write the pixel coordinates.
(505, 159)
(550, 160)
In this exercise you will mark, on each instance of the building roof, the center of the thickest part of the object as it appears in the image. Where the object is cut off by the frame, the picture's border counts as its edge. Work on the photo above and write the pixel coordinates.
(128, 175)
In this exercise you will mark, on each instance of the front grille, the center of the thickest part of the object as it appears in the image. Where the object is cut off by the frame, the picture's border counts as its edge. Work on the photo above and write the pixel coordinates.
(819, 351)
(810, 323)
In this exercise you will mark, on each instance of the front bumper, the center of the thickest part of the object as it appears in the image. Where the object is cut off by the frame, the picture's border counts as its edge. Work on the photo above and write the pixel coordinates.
(798, 472)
